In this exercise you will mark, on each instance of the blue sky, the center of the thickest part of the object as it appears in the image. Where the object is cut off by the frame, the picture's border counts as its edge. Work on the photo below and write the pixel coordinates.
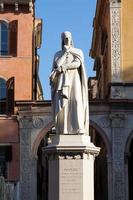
(58, 16)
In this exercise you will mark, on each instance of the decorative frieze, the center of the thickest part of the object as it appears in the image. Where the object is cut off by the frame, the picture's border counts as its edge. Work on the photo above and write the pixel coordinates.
(31, 6)
(38, 123)
(115, 17)
(14, 1)
(65, 156)
(29, 122)
(70, 155)
(16, 4)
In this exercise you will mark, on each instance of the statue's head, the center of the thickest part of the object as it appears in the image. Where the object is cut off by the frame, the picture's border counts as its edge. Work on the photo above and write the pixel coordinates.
(66, 39)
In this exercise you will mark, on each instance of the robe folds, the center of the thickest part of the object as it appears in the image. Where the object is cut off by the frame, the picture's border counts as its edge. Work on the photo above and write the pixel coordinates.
(69, 93)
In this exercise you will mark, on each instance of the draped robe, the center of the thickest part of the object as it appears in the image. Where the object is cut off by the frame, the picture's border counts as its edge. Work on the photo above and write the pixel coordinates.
(70, 93)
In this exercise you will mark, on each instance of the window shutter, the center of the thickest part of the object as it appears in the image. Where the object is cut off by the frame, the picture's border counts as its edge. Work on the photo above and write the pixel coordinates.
(13, 32)
(10, 95)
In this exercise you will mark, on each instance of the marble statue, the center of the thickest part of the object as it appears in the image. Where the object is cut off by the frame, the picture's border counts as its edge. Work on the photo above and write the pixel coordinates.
(69, 89)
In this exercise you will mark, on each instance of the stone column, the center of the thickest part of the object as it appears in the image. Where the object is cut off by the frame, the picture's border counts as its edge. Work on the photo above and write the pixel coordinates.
(71, 167)
(118, 144)
(28, 187)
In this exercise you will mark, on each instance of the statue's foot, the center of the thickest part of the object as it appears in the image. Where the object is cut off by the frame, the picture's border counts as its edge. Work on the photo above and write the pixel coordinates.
(80, 132)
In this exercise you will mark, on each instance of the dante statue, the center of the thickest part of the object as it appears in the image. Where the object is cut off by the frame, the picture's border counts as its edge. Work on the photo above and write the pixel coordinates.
(69, 89)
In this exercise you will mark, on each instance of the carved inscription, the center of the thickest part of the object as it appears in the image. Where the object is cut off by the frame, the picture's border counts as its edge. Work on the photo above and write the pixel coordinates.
(71, 175)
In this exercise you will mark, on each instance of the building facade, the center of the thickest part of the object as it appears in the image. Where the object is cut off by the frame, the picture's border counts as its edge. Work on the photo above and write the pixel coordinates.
(111, 111)
(20, 37)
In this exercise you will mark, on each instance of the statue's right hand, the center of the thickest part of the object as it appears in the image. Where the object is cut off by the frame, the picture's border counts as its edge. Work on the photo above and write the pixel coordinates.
(66, 48)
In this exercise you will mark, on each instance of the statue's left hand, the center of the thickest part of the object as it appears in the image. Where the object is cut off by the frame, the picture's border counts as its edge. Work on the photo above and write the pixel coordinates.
(59, 69)
(64, 67)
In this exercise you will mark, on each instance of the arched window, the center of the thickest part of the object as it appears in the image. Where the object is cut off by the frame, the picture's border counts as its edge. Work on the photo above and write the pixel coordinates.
(2, 96)
(4, 46)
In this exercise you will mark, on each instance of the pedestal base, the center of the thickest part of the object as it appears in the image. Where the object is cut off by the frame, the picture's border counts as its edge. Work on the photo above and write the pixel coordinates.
(71, 167)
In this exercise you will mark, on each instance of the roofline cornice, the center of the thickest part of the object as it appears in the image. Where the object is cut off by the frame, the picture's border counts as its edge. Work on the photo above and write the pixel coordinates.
(17, 1)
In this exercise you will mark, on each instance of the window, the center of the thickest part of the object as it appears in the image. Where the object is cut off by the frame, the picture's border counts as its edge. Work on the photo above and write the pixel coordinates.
(8, 38)
(7, 96)
(2, 96)
(4, 38)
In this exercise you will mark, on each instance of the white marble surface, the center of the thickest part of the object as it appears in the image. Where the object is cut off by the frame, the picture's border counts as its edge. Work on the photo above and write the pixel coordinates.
(69, 89)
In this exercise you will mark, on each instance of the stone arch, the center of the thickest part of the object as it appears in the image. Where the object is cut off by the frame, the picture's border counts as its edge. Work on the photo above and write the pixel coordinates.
(39, 137)
(103, 135)
(128, 142)
(102, 165)
(48, 126)
(4, 20)
(3, 77)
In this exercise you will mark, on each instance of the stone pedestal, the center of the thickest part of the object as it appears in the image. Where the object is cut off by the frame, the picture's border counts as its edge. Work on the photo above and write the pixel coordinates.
(71, 167)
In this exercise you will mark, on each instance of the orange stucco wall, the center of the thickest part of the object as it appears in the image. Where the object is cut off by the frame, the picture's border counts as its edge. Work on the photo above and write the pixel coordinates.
(21, 66)
(127, 40)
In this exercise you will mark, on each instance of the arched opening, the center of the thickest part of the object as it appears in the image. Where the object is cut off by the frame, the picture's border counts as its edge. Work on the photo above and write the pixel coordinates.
(130, 171)
(100, 165)
(42, 172)
(42, 163)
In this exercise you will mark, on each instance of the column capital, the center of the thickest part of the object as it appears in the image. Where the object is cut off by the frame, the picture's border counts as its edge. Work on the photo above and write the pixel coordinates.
(115, 1)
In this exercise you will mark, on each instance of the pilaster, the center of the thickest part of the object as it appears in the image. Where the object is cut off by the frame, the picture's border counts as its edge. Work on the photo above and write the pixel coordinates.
(115, 28)
(117, 126)
(27, 163)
